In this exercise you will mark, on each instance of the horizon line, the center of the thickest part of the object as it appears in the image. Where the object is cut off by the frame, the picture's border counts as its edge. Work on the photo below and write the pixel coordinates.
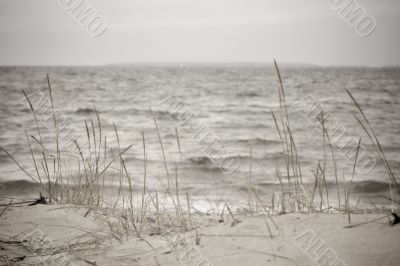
(194, 63)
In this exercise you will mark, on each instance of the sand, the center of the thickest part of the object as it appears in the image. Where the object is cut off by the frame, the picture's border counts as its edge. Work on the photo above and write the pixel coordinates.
(67, 235)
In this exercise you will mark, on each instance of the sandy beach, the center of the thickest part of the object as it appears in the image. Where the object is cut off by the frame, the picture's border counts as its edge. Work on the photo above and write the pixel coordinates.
(68, 235)
(200, 133)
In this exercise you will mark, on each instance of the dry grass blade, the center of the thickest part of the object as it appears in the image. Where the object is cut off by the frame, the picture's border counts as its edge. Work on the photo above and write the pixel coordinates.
(83, 160)
(16, 162)
(281, 91)
(34, 114)
(56, 130)
(163, 154)
(333, 155)
(33, 159)
(351, 181)
(143, 210)
(113, 159)
(376, 142)
(279, 131)
(5, 208)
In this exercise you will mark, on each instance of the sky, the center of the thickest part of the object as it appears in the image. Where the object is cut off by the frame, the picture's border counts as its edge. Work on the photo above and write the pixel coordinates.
(43, 32)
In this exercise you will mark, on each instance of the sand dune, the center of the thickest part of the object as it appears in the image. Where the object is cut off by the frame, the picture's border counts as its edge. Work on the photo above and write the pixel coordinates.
(62, 234)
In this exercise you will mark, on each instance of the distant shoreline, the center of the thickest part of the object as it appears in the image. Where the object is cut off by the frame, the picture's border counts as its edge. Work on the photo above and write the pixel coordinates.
(205, 64)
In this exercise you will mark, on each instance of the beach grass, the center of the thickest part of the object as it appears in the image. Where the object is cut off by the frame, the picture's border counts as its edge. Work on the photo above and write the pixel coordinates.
(129, 215)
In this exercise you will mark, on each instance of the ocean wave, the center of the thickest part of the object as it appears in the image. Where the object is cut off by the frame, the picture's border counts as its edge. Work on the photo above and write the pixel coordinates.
(248, 94)
(257, 141)
(207, 161)
(257, 156)
(163, 115)
(201, 160)
(25, 110)
(85, 111)
(361, 187)
(158, 114)
(224, 164)
(19, 187)
(370, 186)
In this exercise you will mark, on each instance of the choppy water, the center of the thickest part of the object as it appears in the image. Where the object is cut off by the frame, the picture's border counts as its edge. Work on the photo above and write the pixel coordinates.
(233, 102)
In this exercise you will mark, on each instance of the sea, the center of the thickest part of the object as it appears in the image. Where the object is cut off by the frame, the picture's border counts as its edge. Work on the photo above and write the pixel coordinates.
(223, 115)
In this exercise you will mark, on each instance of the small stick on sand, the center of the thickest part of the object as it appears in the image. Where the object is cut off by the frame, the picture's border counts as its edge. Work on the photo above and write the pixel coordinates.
(235, 221)
(367, 222)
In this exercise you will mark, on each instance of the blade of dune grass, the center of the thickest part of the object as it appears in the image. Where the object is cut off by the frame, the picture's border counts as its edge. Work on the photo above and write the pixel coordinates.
(249, 184)
(163, 154)
(34, 114)
(281, 91)
(56, 129)
(17, 163)
(94, 144)
(120, 160)
(33, 159)
(83, 161)
(46, 168)
(90, 146)
(144, 176)
(188, 207)
(113, 159)
(333, 155)
(100, 139)
(279, 131)
(375, 141)
(350, 183)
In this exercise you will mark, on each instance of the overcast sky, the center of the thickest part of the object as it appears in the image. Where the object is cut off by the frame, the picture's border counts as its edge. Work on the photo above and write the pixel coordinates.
(41, 32)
